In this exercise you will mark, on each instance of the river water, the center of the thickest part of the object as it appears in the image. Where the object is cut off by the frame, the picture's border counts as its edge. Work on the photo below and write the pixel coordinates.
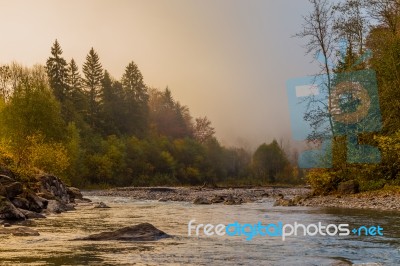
(54, 245)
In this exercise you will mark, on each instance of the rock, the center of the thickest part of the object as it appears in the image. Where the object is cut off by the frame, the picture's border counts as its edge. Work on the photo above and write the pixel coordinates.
(297, 200)
(46, 195)
(54, 185)
(101, 205)
(19, 231)
(6, 225)
(231, 200)
(284, 202)
(74, 193)
(3, 191)
(83, 200)
(31, 214)
(8, 211)
(348, 187)
(201, 201)
(56, 206)
(217, 199)
(21, 203)
(36, 203)
(13, 189)
(139, 232)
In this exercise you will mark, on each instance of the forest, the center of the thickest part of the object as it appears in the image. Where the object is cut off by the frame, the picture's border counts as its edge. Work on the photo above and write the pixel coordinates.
(93, 130)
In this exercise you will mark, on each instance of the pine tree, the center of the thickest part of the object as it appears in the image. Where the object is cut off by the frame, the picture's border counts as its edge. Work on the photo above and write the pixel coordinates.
(110, 106)
(56, 67)
(74, 79)
(136, 100)
(76, 99)
(93, 72)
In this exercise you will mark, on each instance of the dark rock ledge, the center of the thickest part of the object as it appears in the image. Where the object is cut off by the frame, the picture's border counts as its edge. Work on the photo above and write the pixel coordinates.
(139, 232)
(42, 195)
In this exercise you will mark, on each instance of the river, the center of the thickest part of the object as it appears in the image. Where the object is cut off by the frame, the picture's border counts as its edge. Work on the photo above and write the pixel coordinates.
(54, 245)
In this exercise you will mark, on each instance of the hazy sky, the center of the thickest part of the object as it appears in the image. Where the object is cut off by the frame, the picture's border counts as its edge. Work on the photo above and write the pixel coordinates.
(226, 59)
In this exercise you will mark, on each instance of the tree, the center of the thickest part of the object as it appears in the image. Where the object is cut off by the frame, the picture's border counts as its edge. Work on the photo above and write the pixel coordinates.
(114, 106)
(269, 161)
(318, 28)
(168, 117)
(203, 130)
(93, 72)
(32, 119)
(351, 24)
(5, 82)
(56, 67)
(136, 100)
(386, 12)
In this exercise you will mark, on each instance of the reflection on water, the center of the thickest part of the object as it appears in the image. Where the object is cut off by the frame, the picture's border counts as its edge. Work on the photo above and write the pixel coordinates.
(54, 245)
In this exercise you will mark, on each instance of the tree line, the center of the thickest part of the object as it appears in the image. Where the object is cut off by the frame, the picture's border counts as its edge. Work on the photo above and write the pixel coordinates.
(92, 129)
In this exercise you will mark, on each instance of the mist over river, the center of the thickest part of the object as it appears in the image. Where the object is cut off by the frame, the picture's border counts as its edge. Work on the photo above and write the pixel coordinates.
(54, 245)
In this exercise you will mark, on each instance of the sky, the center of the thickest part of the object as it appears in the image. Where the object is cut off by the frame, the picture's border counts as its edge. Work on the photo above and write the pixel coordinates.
(225, 59)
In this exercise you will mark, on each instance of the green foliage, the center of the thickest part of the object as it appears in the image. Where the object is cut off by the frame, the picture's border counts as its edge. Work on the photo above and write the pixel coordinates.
(269, 162)
(98, 132)
(322, 181)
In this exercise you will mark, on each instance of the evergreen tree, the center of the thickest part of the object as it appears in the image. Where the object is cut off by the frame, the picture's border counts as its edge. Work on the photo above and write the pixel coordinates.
(56, 67)
(76, 102)
(113, 106)
(136, 100)
(93, 72)
(74, 79)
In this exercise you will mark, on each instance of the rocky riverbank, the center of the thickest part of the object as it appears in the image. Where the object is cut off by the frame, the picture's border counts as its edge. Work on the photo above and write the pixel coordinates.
(379, 200)
(299, 196)
(42, 195)
(199, 195)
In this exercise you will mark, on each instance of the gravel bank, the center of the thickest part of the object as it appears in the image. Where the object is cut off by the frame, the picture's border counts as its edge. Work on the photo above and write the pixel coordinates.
(189, 194)
(382, 200)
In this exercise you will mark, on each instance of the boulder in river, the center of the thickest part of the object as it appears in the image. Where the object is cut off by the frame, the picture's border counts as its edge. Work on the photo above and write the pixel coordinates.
(201, 201)
(217, 199)
(74, 193)
(232, 200)
(139, 232)
(56, 206)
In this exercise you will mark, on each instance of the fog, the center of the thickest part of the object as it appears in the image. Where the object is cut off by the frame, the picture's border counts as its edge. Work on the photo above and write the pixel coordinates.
(227, 60)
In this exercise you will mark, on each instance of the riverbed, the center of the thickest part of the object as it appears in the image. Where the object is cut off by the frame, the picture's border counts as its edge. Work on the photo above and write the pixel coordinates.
(54, 246)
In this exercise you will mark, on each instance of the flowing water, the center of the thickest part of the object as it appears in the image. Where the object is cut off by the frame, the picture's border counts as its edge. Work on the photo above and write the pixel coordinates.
(54, 245)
